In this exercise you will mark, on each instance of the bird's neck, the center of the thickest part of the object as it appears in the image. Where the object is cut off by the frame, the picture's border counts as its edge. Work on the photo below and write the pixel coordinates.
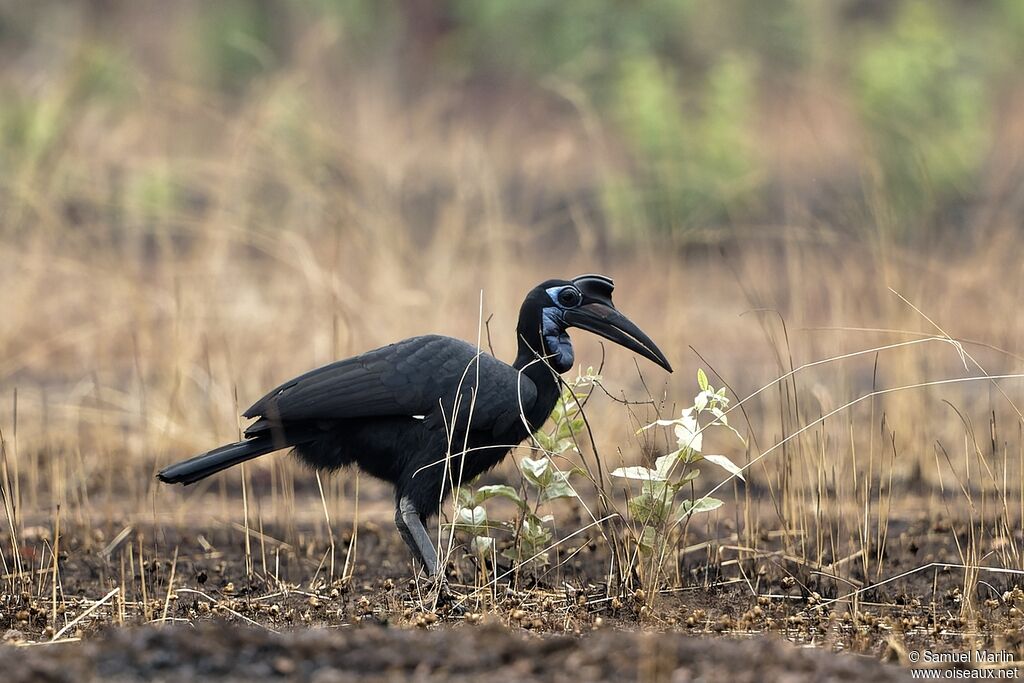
(547, 339)
(543, 346)
(530, 357)
(536, 361)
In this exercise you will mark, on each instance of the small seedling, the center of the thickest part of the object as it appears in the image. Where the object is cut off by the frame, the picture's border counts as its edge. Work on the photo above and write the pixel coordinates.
(543, 482)
(673, 473)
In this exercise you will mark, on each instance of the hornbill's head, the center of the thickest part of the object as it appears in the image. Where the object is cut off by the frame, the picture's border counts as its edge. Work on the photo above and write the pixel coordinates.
(584, 302)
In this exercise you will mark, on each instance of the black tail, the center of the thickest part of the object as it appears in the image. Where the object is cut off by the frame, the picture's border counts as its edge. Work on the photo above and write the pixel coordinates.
(192, 470)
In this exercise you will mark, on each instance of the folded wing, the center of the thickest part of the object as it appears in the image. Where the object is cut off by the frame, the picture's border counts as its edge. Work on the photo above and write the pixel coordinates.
(432, 376)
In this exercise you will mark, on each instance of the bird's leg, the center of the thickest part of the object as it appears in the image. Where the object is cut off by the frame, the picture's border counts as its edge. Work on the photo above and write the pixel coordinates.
(410, 525)
(403, 529)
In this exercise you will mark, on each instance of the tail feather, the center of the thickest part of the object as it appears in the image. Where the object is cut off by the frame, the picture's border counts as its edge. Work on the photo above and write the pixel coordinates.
(201, 466)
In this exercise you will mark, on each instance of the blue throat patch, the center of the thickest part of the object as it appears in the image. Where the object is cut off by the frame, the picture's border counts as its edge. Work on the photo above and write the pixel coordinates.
(556, 340)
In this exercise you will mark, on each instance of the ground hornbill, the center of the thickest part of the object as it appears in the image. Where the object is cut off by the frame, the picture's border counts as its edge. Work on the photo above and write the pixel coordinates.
(432, 411)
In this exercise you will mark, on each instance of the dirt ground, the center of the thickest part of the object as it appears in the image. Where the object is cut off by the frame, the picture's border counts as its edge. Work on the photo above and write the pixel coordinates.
(166, 603)
(214, 650)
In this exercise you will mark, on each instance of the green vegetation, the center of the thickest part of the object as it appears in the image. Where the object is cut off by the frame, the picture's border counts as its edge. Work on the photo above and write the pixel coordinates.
(663, 524)
(924, 101)
(683, 104)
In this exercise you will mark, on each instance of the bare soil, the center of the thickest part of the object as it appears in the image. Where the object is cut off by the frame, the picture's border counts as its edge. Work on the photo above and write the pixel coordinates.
(228, 652)
(193, 606)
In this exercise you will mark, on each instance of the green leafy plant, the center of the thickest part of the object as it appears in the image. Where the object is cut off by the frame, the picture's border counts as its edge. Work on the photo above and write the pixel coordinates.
(674, 474)
(543, 482)
(921, 96)
(235, 41)
(693, 157)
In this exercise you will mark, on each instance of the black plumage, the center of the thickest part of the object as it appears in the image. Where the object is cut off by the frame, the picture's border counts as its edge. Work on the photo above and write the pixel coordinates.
(428, 412)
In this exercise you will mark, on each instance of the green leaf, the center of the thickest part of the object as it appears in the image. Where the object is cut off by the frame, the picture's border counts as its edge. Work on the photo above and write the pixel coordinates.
(648, 509)
(537, 471)
(688, 431)
(557, 489)
(700, 402)
(692, 507)
(726, 464)
(482, 545)
(564, 445)
(533, 539)
(650, 540)
(665, 466)
(546, 442)
(535, 528)
(499, 490)
(688, 455)
(657, 489)
(466, 498)
(568, 428)
(472, 517)
(702, 379)
(638, 473)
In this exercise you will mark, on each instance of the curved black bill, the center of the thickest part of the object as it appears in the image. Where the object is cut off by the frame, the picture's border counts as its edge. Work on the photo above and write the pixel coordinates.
(607, 322)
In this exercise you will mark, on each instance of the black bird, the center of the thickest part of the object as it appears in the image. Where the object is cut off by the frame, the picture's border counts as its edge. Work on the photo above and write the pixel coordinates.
(432, 411)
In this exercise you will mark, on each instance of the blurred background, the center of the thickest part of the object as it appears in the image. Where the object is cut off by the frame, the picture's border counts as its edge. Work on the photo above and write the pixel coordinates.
(199, 200)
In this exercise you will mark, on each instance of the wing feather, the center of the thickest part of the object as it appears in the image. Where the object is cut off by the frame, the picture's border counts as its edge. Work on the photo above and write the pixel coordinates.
(417, 376)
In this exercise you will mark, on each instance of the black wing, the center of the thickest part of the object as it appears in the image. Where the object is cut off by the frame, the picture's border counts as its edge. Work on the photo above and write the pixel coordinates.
(424, 376)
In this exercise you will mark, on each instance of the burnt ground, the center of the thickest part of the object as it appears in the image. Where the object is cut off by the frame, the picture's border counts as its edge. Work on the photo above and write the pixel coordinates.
(462, 653)
(182, 602)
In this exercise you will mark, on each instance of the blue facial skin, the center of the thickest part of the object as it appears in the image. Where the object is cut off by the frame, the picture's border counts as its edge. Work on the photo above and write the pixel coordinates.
(555, 338)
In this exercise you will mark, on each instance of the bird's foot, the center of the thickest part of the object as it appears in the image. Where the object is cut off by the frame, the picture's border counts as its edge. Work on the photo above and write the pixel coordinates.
(447, 601)
(438, 595)
(441, 589)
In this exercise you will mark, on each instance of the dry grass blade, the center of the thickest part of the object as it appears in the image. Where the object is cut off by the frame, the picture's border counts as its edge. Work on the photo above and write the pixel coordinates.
(92, 608)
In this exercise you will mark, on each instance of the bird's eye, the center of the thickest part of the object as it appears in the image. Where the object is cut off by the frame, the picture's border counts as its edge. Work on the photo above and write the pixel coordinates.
(570, 297)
